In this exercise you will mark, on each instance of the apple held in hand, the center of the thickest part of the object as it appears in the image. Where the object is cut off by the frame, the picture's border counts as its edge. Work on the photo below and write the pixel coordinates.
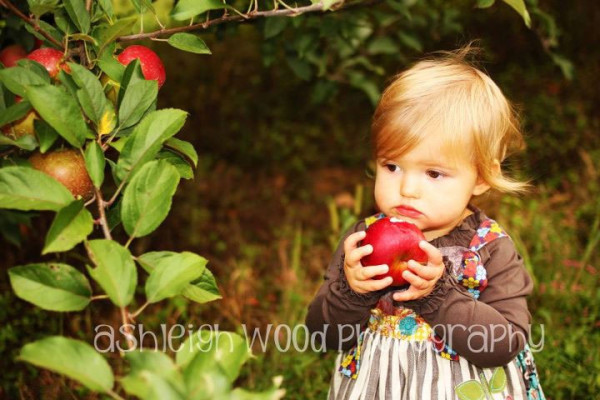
(68, 167)
(394, 243)
(152, 66)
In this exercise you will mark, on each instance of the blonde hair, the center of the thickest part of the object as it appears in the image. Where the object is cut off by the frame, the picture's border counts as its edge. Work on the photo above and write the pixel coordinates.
(448, 97)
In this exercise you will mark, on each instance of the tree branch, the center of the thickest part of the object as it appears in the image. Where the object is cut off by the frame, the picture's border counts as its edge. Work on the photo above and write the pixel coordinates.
(103, 220)
(7, 4)
(252, 15)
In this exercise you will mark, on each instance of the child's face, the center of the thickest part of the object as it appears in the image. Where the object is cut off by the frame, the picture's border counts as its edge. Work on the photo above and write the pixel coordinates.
(428, 188)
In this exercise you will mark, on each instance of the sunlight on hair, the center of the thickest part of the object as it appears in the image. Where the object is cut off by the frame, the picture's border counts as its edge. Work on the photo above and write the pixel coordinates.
(447, 96)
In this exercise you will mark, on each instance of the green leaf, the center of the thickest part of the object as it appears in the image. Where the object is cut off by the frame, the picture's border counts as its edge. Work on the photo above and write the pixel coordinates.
(52, 286)
(16, 79)
(51, 30)
(208, 351)
(73, 358)
(46, 134)
(520, 7)
(153, 386)
(41, 7)
(95, 162)
(115, 270)
(184, 169)
(107, 34)
(565, 65)
(14, 112)
(71, 226)
(138, 97)
(78, 14)
(146, 367)
(107, 7)
(35, 67)
(410, 41)
(173, 274)
(470, 390)
(275, 25)
(204, 289)
(360, 81)
(383, 45)
(111, 66)
(190, 43)
(498, 380)
(90, 95)
(23, 188)
(184, 148)
(60, 111)
(147, 198)
(63, 22)
(186, 9)
(273, 393)
(485, 3)
(25, 142)
(131, 75)
(85, 38)
(147, 138)
(300, 67)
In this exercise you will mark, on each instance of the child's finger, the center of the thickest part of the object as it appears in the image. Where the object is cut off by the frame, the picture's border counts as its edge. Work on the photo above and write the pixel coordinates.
(354, 256)
(352, 241)
(434, 256)
(415, 280)
(426, 272)
(406, 295)
(376, 284)
(367, 273)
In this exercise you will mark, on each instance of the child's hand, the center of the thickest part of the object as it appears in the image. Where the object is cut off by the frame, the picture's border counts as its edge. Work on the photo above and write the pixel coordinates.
(359, 277)
(422, 278)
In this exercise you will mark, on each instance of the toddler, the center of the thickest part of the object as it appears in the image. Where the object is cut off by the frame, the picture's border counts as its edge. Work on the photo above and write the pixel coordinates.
(460, 330)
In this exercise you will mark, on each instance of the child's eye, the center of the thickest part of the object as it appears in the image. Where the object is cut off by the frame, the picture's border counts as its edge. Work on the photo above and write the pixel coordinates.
(392, 167)
(435, 174)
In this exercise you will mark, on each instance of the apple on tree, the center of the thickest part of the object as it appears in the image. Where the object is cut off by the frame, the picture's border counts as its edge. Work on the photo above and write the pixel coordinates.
(11, 54)
(68, 167)
(394, 242)
(150, 62)
(21, 127)
(53, 60)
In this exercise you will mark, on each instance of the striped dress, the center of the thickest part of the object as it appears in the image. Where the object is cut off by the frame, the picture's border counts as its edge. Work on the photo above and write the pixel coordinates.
(399, 356)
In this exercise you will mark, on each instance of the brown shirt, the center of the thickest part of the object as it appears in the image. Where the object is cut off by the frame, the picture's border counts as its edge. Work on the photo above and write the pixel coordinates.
(488, 332)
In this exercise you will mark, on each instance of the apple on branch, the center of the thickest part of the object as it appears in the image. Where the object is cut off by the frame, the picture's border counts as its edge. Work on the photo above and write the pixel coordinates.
(152, 66)
(53, 60)
(11, 54)
(394, 242)
(68, 167)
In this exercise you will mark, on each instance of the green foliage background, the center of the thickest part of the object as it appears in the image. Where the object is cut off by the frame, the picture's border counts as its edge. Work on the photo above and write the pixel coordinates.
(283, 157)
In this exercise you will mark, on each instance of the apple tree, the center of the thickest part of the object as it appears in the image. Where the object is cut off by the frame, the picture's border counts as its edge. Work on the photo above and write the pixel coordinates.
(83, 141)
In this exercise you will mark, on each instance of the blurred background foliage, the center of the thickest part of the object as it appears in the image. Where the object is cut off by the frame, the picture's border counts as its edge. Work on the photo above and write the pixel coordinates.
(280, 115)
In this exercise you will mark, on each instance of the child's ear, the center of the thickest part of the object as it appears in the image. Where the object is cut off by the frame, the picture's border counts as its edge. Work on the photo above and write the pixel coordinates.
(481, 186)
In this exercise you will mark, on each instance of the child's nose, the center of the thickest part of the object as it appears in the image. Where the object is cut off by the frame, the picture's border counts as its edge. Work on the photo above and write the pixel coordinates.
(409, 186)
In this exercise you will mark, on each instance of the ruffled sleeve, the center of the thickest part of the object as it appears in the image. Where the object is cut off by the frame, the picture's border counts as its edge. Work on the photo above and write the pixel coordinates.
(337, 312)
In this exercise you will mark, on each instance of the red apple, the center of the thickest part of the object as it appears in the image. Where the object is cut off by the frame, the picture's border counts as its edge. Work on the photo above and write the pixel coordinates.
(152, 66)
(68, 167)
(394, 243)
(11, 54)
(51, 59)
